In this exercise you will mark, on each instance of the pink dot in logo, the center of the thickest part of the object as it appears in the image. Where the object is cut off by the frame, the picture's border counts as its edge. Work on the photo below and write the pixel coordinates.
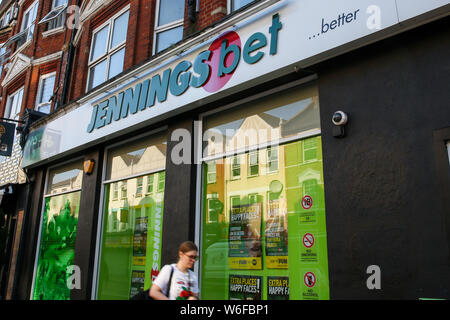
(214, 82)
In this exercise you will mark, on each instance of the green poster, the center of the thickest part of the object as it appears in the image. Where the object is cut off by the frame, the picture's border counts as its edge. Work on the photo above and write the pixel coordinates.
(57, 247)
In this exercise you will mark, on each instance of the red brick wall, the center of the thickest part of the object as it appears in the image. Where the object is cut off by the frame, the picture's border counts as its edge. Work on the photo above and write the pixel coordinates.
(205, 16)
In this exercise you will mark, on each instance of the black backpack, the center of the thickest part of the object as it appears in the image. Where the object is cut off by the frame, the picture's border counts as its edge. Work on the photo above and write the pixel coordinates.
(145, 294)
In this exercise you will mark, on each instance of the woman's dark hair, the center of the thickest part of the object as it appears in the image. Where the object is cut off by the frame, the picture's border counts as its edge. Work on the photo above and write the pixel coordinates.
(187, 246)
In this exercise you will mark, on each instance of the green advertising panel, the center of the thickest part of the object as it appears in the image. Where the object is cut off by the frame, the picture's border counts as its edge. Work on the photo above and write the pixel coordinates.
(131, 243)
(57, 247)
(264, 231)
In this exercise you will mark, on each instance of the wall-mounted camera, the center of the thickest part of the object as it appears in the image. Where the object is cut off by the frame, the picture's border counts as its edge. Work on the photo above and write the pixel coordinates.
(339, 119)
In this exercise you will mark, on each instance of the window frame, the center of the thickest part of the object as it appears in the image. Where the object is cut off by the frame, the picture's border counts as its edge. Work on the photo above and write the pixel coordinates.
(163, 28)
(32, 24)
(42, 78)
(230, 8)
(8, 109)
(44, 196)
(61, 15)
(109, 52)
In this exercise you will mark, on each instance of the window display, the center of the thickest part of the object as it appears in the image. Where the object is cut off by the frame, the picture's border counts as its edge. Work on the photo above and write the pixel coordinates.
(132, 220)
(264, 231)
(58, 233)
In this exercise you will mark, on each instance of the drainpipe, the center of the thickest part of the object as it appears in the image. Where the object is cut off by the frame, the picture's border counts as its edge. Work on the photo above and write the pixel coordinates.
(68, 70)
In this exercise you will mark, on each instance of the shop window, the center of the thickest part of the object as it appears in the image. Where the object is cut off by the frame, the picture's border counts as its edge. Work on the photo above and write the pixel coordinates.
(108, 50)
(45, 92)
(169, 24)
(14, 105)
(268, 241)
(56, 248)
(130, 247)
(237, 4)
(56, 17)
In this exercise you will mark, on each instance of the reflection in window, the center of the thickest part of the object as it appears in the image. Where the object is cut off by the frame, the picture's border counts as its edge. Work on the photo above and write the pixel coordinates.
(254, 224)
(237, 4)
(132, 225)
(65, 178)
(263, 121)
(169, 23)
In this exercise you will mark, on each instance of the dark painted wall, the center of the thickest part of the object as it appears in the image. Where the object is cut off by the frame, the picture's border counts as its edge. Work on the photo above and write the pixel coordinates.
(384, 202)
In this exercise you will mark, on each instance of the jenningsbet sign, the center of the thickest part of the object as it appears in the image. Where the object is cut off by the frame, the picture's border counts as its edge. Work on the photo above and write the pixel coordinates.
(266, 45)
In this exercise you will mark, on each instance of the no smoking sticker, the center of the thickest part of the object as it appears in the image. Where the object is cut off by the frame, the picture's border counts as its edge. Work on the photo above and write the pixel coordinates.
(310, 279)
(307, 202)
(308, 240)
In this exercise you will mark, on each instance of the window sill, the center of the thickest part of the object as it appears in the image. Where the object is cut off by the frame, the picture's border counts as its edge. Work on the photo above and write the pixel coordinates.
(52, 32)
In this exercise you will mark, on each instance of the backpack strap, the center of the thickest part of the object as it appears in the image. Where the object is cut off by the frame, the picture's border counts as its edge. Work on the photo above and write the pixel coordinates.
(170, 281)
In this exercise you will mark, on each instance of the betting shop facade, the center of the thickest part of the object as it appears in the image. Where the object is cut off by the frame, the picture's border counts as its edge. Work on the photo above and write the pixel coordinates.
(282, 141)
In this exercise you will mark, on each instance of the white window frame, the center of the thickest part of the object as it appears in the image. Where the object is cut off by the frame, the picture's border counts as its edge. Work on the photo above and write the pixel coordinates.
(211, 175)
(305, 149)
(230, 6)
(52, 22)
(166, 27)
(32, 24)
(269, 160)
(250, 165)
(39, 95)
(8, 110)
(109, 51)
(232, 164)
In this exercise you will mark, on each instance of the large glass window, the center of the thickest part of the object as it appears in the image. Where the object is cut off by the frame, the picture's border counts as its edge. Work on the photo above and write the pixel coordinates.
(108, 50)
(169, 23)
(132, 218)
(263, 229)
(58, 233)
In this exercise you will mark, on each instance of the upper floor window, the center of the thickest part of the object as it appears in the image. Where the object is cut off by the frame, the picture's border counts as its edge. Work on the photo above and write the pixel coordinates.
(56, 17)
(3, 55)
(14, 105)
(237, 4)
(169, 24)
(108, 50)
(7, 17)
(45, 93)
(29, 17)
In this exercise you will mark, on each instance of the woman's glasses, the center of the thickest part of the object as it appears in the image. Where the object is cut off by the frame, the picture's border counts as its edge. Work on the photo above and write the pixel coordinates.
(193, 257)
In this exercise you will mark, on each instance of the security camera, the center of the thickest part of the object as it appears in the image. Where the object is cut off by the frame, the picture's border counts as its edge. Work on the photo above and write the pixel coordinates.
(340, 118)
